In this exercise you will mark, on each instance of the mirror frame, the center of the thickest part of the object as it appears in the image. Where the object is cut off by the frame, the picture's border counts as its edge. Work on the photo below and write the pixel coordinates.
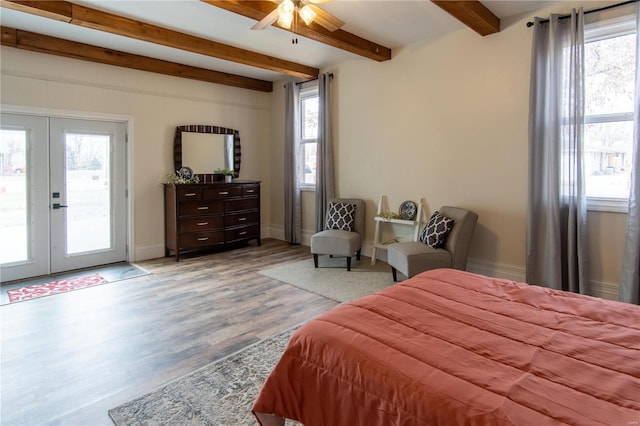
(202, 128)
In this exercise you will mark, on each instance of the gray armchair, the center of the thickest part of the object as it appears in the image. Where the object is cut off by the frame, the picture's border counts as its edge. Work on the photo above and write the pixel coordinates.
(338, 242)
(411, 258)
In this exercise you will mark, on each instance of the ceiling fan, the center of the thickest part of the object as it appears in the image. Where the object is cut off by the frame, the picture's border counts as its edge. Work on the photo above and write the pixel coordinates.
(287, 11)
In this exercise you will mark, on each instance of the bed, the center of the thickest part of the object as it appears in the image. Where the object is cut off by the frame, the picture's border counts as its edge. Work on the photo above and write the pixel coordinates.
(448, 347)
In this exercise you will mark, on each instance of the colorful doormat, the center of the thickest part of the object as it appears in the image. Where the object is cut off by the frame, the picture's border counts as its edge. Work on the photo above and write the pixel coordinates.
(33, 288)
(54, 287)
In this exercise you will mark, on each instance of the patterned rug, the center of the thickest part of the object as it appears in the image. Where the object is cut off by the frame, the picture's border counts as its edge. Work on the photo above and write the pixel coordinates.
(219, 394)
(54, 287)
(37, 287)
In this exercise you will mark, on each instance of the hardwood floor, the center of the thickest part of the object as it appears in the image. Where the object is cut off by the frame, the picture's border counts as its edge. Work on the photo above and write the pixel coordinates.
(67, 359)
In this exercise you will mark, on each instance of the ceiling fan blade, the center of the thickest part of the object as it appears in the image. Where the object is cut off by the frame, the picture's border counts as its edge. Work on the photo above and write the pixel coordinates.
(267, 20)
(326, 19)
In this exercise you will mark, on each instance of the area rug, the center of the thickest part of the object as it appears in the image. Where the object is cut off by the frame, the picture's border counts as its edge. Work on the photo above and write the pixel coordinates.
(331, 278)
(54, 287)
(220, 394)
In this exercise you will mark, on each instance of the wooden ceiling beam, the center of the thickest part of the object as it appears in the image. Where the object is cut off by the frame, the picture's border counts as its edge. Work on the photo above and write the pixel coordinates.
(256, 9)
(473, 14)
(58, 10)
(114, 24)
(56, 46)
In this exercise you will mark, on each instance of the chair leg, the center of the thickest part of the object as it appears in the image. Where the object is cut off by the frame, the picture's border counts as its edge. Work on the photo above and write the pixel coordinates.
(358, 254)
(315, 259)
(395, 274)
(348, 263)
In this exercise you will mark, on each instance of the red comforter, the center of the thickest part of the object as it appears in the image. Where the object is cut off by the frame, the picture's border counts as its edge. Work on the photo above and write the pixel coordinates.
(451, 348)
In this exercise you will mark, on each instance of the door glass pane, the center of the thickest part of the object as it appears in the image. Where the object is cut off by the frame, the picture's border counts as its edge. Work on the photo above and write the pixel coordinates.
(14, 213)
(87, 182)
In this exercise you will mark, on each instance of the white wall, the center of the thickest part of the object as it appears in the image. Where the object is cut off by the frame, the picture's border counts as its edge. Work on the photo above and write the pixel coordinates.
(448, 120)
(155, 104)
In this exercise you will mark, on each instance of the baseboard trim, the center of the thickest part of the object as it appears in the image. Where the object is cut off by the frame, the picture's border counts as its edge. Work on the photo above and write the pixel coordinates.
(507, 272)
(605, 290)
(147, 251)
(277, 232)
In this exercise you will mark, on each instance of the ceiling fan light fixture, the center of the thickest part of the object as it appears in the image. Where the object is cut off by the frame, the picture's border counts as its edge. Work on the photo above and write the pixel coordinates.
(285, 13)
(286, 7)
(285, 20)
(307, 14)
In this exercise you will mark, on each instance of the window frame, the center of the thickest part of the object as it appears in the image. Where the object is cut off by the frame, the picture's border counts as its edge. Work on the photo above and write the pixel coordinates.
(307, 92)
(597, 31)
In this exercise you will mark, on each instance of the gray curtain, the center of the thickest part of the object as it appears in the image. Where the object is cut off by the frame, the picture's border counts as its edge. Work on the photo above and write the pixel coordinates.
(325, 186)
(556, 219)
(630, 279)
(292, 212)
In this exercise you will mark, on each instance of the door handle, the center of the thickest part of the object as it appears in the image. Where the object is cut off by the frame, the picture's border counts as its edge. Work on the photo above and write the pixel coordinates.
(57, 206)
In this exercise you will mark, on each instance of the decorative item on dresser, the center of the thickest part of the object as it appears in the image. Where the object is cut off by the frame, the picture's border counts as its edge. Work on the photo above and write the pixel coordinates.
(211, 215)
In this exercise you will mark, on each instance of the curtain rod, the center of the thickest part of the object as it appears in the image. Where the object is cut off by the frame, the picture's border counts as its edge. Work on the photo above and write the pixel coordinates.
(314, 79)
(611, 6)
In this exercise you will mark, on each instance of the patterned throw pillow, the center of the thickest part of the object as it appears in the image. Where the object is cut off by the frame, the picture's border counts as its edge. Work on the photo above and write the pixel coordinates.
(340, 216)
(435, 233)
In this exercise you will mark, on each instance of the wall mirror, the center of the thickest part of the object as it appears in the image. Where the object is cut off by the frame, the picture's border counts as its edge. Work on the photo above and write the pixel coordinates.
(207, 148)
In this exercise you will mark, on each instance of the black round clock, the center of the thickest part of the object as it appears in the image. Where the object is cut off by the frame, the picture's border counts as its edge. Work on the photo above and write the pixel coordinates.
(408, 210)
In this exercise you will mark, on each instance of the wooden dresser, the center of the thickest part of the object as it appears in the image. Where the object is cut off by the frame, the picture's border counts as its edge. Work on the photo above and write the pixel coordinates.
(210, 215)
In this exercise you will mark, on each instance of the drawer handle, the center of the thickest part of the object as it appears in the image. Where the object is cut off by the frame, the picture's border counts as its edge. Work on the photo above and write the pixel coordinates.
(224, 192)
(203, 223)
(242, 233)
(191, 194)
(250, 191)
(242, 219)
(203, 239)
(203, 208)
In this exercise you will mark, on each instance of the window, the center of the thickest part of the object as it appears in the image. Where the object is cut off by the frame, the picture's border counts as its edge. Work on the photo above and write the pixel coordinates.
(309, 137)
(610, 62)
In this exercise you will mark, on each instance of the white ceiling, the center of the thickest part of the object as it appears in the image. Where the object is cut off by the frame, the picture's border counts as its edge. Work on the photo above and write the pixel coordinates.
(391, 23)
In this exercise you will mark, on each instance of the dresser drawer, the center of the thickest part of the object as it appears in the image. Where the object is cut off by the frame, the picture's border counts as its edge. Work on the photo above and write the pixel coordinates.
(201, 208)
(199, 224)
(241, 219)
(243, 204)
(241, 233)
(188, 194)
(250, 190)
(201, 239)
(222, 192)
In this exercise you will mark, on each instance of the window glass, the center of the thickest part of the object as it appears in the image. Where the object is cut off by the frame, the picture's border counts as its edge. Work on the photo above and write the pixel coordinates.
(609, 102)
(310, 118)
(309, 156)
(610, 75)
(309, 137)
(607, 156)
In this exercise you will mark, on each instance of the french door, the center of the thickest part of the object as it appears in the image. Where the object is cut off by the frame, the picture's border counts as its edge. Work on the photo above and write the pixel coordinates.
(62, 195)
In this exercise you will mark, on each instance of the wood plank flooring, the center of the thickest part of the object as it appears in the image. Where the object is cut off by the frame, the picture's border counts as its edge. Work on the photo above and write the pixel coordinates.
(67, 359)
